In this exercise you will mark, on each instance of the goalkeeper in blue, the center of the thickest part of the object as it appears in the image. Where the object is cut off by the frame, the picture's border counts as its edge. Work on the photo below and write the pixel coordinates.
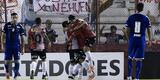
(137, 24)
(12, 31)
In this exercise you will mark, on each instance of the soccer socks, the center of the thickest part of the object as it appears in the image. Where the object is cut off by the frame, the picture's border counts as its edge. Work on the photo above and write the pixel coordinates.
(76, 69)
(88, 57)
(80, 73)
(129, 67)
(16, 69)
(138, 68)
(70, 69)
(7, 67)
(44, 66)
(33, 65)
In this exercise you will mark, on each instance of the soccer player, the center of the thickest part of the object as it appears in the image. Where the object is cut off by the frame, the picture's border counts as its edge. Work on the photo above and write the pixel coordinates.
(76, 53)
(51, 33)
(86, 38)
(36, 40)
(137, 24)
(12, 31)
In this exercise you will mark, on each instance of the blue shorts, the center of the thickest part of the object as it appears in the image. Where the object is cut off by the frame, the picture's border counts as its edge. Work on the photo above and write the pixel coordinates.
(136, 50)
(12, 53)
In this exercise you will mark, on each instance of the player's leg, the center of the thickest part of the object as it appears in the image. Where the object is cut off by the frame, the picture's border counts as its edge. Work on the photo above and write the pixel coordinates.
(16, 68)
(72, 64)
(7, 67)
(80, 58)
(8, 61)
(77, 70)
(129, 69)
(131, 54)
(44, 64)
(138, 68)
(139, 58)
(16, 62)
(34, 57)
(88, 56)
(80, 74)
(88, 43)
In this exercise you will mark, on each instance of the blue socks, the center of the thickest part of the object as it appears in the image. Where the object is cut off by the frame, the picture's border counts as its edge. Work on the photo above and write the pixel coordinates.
(129, 67)
(16, 69)
(7, 68)
(138, 68)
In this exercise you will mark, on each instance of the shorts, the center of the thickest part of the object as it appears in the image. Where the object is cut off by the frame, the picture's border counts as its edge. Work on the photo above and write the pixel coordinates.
(35, 54)
(136, 50)
(76, 55)
(90, 41)
(12, 53)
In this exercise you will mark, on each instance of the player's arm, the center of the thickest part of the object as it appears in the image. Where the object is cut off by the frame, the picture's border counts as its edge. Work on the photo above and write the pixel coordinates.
(79, 26)
(23, 44)
(126, 32)
(46, 37)
(29, 37)
(2, 40)
(149, 31)
(149, 36)
(3, 36)
(22, 33)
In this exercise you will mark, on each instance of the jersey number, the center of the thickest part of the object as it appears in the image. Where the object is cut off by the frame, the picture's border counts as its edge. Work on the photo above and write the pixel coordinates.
(137, 28)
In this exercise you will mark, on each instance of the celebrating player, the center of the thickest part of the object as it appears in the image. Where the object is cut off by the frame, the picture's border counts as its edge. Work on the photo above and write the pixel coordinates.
(75, 52)
(12, 31)
(86, 38)
(136, 28)
(36, 40)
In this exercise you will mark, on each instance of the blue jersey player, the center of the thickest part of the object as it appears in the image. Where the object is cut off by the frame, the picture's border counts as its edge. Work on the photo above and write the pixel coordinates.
(12, 31)
(137, 24)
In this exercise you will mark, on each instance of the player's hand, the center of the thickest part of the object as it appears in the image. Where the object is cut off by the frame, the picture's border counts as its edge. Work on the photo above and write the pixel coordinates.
(149, 43)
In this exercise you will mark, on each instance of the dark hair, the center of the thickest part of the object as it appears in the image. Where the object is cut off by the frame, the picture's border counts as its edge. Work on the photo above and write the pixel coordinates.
(113, 27)
(64, 24)
(38, 20)
(13, 14)
(71, 17)
(140, 7)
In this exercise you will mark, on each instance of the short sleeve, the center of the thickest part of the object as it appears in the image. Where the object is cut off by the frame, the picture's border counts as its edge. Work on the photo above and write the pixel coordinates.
(128, 22)
(22, 31)
(148, 22)
(4, 29)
